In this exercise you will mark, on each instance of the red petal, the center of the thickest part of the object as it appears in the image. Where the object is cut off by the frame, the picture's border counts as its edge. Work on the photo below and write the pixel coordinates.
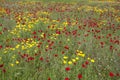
(111, 74)
(67, 78)
(79, 76)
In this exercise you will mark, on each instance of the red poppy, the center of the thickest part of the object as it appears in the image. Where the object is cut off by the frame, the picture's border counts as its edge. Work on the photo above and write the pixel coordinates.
(67, 78)
(66, 47)
(47, 60)
(86, 62)
(24, 55)
(4, 70)
(8, 11)
(117, 41)
(58, 32)
(109, 35)
(44, 35)
(0, 32)
(111, 74)
(34, 32)
(117, 74)
(83, 65)
(79, 76)
(111, 47)
(55, 55)
(48, 40)
(0, 46)
(41, 58)
(30, 58)
(0, 24)
(63, 52)
(35, 36)
(1, 65)
(38, 46)
(102, 43)
(74, 32)
(86, 35)
(67, 68)
(51, 44)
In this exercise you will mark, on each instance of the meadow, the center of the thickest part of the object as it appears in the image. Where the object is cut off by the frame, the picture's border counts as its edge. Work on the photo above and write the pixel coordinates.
(59, 40)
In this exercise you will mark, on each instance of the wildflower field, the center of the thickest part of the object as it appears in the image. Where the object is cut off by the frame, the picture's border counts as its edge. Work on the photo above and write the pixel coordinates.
(59, 40)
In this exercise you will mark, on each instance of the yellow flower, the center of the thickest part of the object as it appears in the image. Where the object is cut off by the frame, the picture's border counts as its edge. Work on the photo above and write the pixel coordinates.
(17, 46)
(13, 49)
(17, 62)
(82, 55)
(77, 51)
(23, 47)
(56, 34)
(12, 64)
(88, 58)
(92, 60)
(77, 58)
(30, 45)
(68, 39)
(69, 62)
(81, 52)
(73, 60)
(42, 35)
(29, 26)
(65, 23)
(60, 28)
(5, 51)
(64, 62)
(47, 46)
(65, 57)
